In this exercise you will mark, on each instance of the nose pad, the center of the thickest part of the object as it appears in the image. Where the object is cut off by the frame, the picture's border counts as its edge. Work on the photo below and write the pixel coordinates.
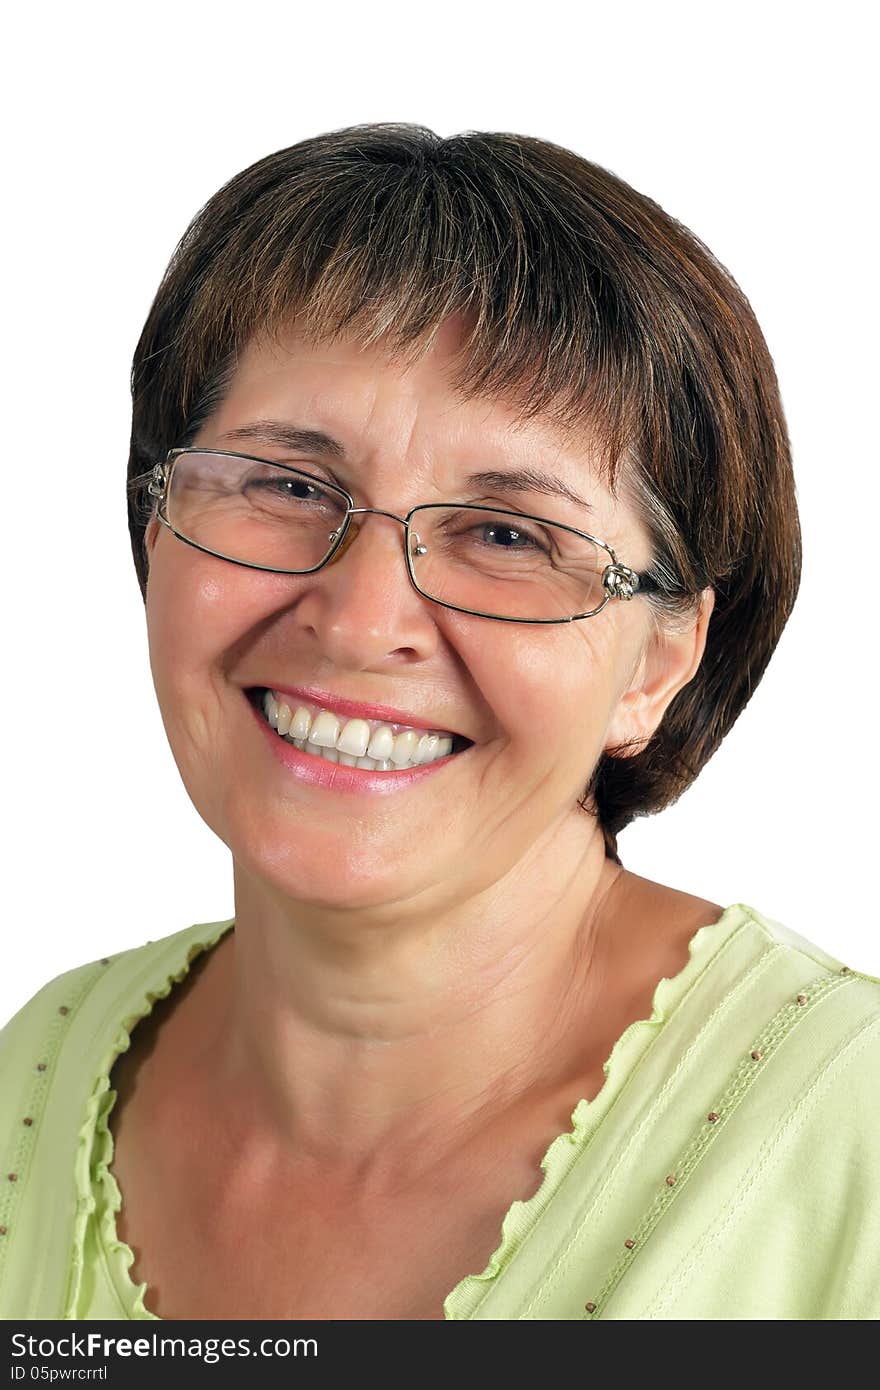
(351, 533)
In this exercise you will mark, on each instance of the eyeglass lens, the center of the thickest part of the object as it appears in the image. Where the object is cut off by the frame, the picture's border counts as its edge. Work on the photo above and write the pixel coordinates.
(476, 558)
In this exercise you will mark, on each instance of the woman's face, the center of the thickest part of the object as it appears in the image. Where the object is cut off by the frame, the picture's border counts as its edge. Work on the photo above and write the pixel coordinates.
(539, 702)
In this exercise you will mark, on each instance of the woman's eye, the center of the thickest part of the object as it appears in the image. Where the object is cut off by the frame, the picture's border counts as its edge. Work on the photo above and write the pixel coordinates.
(511, 537)
(296, 487)
(292, 489)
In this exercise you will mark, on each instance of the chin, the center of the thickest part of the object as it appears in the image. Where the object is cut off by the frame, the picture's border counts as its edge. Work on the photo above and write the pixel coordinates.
(296, 867)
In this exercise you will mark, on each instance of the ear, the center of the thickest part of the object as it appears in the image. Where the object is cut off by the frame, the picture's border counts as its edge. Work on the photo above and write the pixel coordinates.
(668, 661)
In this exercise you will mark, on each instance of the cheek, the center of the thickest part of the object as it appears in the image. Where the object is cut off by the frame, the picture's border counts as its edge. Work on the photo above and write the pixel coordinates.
(548, 687)
(196, 608)
(183, 608)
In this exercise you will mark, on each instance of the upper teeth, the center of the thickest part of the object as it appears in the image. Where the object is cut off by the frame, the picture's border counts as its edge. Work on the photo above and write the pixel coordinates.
(366, 743)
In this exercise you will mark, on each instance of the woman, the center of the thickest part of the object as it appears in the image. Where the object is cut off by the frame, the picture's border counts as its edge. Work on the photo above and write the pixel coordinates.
(449, 1059)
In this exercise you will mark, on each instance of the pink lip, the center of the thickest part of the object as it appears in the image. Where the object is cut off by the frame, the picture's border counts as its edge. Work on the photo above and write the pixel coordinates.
(355, 710)
(308, 768)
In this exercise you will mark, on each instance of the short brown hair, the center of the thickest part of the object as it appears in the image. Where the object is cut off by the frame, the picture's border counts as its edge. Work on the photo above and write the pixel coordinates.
(590, 305)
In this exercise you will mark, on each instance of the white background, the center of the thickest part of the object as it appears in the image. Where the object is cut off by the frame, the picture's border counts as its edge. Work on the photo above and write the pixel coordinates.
(749, 123)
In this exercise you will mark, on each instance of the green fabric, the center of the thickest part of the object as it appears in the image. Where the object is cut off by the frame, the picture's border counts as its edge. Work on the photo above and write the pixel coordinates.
(774, 1211)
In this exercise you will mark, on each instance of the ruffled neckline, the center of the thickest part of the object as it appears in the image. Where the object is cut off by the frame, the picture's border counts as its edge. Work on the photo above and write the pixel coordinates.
(100, 1199)
(523, 1216)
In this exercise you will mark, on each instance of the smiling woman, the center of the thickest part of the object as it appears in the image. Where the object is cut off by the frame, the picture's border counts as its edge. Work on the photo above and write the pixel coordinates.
(461, 504)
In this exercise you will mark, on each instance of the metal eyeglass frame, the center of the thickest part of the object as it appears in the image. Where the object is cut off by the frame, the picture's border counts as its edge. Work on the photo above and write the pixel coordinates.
(618, 580)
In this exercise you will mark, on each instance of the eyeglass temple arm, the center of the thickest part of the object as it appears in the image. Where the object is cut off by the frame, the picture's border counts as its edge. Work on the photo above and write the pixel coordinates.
(622, 582)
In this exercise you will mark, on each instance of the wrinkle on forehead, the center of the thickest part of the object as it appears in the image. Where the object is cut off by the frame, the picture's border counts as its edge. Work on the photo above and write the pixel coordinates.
(286, 346)
(444, 350)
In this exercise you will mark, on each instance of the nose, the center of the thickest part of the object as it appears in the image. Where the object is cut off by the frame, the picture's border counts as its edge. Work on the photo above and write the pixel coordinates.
(364, 610)
(367, 612)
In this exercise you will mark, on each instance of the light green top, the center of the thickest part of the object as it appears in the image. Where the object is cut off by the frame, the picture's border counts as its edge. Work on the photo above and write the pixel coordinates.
(728, 1168)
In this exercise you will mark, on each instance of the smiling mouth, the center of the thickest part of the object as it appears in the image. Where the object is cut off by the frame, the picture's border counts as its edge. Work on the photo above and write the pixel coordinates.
(370, 744)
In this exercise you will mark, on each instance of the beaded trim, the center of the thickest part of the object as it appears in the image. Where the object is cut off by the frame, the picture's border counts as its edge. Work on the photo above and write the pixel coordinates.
(14, 1179)
(670, 1186)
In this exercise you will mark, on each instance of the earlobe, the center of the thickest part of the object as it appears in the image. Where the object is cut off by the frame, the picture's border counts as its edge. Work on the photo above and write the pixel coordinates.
(670, 660)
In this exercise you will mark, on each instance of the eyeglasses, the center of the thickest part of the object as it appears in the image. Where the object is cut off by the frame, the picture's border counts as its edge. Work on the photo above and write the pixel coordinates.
(488, 562)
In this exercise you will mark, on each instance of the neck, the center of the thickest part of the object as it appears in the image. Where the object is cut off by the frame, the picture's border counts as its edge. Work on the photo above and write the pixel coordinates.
(350, 1038)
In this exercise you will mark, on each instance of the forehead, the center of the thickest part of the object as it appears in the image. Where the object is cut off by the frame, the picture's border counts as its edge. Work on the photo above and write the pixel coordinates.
(371, 390)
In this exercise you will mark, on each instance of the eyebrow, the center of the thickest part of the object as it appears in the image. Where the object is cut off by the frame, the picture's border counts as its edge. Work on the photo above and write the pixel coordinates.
(289, 437)
(317, 442)
(526, 480)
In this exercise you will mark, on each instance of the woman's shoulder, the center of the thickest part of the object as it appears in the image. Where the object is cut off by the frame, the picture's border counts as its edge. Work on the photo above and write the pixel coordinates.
(77, 1011)
(786, 935)
(766, 959)
(805, 1011)
(821, 1020)
(835, 992)
(851, 994)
